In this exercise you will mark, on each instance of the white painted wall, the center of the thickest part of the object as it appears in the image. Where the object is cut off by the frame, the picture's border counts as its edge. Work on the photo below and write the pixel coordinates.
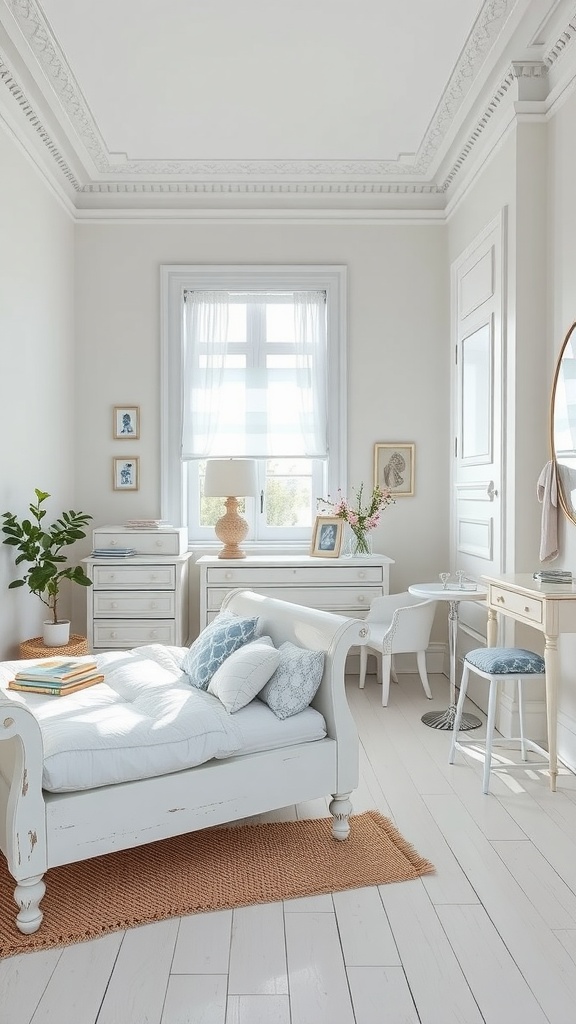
(398, 367)
(38, 425)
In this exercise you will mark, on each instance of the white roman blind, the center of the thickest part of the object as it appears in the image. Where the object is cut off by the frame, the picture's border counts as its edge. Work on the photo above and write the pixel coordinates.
(255, 374)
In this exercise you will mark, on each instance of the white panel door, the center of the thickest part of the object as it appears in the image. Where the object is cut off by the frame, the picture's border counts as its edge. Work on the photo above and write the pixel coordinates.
(477, 402)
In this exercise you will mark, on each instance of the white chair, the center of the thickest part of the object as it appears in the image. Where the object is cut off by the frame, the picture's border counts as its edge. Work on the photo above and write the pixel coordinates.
(397, 624)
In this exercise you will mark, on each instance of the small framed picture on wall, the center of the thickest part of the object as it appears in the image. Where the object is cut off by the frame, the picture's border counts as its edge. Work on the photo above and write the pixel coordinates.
(126, 422)
(126, 473)
(394, 468)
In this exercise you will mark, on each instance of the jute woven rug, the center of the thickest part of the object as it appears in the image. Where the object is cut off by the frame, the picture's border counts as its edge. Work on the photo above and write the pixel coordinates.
(209, 870)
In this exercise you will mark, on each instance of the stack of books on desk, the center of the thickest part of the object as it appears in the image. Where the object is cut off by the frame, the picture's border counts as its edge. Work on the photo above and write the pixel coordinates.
(554, 576)
(148, 524)
(113, 552)
(56, 676)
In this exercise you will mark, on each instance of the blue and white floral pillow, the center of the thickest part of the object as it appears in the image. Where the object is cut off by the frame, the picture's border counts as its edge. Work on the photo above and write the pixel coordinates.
(294, 682)
(221, 637)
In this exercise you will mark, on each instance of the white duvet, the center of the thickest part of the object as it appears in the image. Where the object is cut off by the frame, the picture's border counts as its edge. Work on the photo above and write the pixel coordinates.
(146, 719)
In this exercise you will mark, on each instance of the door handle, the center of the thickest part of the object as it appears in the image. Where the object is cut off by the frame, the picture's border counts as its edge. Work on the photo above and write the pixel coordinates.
(491, 491)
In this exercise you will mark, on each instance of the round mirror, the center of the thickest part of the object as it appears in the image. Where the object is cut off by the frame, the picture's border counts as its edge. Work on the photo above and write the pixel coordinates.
(563, 424)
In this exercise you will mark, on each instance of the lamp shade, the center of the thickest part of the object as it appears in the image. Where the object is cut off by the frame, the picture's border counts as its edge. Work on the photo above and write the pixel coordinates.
(230, 478)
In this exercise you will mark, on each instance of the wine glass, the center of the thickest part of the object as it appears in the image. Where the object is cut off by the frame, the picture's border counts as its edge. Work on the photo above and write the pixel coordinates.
(460, 577)
(444, 577)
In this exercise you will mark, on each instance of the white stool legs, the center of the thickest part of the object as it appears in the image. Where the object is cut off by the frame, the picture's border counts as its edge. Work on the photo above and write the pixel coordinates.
(490, 742)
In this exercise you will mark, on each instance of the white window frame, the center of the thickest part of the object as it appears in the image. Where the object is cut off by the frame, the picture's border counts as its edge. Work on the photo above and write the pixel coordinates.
(174, 281)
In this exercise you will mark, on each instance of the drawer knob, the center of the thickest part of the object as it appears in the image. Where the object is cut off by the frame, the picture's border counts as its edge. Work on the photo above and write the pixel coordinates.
(228, 575)
(112, 576)
(114, 604)
(361, 598)
(500, 600)
(362, 574)
(153, 632)
(153, 576)
(153, 604)
(112, 544)
(526, 609)
(113, 634)
(159, 543)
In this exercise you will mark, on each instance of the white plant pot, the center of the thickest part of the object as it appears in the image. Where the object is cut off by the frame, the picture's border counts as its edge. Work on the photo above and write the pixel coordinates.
(56, 634)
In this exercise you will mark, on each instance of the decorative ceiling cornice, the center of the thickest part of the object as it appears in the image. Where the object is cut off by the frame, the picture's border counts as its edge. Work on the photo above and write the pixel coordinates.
(272, 177)
(332, 173)
(9, 80)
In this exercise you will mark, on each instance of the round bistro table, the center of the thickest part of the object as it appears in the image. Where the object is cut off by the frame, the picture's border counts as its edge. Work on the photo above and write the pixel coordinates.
(36, 648)
(437, 592)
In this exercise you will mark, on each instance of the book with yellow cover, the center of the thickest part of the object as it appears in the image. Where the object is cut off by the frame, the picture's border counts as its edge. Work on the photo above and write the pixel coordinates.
(57, 669)
(54, 691)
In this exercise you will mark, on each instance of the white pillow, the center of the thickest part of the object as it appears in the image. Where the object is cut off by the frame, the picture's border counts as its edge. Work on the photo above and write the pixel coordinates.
(244, 673)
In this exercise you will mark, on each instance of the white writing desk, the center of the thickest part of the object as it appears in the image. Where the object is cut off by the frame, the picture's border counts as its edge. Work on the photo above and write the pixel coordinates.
(551, 609)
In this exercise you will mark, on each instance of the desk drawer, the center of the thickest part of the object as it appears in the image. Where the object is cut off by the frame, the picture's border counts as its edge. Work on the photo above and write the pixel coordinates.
(528, 608)
(141, 577)
(151, 604)
(343, 600)
(125, 633)
(252, 577)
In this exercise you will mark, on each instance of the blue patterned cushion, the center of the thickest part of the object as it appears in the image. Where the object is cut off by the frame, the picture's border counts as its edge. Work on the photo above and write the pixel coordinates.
(294, 682)
(221, 637)
(506, 661)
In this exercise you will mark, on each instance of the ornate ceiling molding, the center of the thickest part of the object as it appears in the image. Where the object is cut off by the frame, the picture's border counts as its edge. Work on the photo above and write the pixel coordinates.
(35, 28)
(9, 80)
(280, 177)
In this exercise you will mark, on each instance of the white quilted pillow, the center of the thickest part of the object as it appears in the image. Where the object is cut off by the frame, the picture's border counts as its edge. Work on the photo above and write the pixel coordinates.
(244, 673)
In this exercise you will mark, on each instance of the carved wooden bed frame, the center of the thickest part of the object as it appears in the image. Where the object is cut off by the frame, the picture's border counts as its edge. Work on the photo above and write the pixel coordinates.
(40, 830)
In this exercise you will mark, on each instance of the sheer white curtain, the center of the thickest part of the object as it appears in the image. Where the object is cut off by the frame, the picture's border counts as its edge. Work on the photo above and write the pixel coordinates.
(312, 372)
(205, 350)
(275, 406)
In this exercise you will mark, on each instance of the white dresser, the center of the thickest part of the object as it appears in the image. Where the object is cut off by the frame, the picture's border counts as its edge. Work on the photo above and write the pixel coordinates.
(342, 585)
(142, 599)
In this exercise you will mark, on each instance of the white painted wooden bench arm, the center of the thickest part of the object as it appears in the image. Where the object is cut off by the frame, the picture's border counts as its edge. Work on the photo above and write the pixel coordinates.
(23, 828)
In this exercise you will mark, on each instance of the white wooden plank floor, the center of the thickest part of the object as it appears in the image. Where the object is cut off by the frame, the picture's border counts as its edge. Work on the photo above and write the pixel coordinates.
(490, 937)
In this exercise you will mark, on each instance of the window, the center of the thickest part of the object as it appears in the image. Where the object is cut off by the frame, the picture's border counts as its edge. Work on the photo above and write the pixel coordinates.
(253, 366)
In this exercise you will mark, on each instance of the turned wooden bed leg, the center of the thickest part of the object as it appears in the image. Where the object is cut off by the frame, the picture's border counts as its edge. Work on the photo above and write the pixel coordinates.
(27, 896)
(340, 809)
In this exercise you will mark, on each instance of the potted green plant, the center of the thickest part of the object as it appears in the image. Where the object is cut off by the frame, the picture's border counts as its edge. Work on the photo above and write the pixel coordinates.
(40, 547)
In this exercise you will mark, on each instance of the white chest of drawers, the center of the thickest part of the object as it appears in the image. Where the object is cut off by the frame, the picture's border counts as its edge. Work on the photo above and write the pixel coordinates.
(342, 585)
(138, 600)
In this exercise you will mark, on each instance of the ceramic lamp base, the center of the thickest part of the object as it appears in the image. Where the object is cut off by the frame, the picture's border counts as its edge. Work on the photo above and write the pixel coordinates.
(231, 529)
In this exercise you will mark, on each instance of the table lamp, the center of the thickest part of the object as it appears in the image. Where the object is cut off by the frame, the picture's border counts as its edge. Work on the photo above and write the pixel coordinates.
(231, 479)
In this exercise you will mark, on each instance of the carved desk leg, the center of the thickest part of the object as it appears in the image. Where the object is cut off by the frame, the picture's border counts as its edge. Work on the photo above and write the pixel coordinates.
(492, 628)
(551, 662)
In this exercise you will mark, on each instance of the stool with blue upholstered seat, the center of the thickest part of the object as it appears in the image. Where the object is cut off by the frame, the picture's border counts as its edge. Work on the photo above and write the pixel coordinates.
(498, 665)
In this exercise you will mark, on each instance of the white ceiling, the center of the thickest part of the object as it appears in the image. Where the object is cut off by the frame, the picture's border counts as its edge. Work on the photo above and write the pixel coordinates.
(212, 100)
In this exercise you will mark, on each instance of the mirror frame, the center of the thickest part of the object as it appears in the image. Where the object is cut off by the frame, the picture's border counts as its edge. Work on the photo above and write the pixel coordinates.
(566, 506)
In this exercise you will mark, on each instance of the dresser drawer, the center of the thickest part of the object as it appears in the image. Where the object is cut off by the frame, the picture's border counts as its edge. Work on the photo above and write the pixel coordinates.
(341, 599)
(110, 577)
(110, 633)
(254, 576)
(154, 542)
(151, 604)
(529, 608)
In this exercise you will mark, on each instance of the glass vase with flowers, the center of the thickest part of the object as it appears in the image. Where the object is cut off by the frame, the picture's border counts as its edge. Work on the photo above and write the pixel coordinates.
(361, 517)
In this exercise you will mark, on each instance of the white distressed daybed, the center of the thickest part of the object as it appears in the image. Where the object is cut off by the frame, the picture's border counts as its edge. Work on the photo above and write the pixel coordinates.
(41, 829)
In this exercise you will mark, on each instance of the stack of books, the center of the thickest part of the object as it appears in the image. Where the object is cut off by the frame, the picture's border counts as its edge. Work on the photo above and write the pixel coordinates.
(56, 676)
(148, 524)
(113, 552)
(553, 576)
